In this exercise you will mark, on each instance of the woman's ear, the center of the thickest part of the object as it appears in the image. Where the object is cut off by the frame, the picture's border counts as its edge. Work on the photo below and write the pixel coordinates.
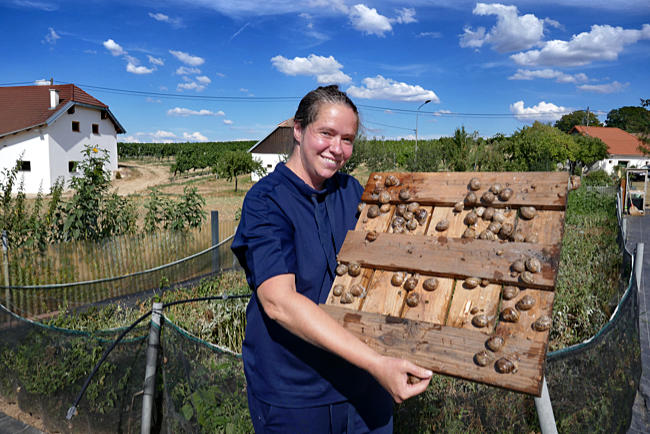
(297, 132)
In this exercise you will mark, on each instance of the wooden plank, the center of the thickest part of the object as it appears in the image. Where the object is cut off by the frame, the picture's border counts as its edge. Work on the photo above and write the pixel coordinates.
(348, 281)
(379, 223)
(450, 257)
(433, 305)
(548, 225)
(445, 350)
(383, 297)
(467, 303)
(544, 190)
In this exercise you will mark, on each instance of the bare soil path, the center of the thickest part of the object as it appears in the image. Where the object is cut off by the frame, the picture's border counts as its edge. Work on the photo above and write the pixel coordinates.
(137, 177)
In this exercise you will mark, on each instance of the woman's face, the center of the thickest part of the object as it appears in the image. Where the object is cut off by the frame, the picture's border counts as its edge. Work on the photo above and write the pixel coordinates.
(325, 144)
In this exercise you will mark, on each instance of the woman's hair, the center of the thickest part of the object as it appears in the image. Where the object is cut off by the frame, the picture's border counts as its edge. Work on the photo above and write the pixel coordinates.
(310, 104)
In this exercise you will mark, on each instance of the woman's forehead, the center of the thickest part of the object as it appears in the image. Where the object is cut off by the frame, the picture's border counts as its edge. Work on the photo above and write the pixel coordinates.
(339, 115)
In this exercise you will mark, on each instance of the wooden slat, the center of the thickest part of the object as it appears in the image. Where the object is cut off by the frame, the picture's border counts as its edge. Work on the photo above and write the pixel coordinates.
(445, 350)
(544, 190)
(383, 297)
(548, 225)
(449, 257)
(433, 304)
(347, 281)
(485, 300)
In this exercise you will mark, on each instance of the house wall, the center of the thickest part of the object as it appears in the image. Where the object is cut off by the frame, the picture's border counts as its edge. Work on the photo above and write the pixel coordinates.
(612, 161)
(269, 161)
(33, 146)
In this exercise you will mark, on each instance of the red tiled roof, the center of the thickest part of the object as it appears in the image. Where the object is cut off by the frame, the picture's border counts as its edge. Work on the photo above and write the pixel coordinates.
(618, 142)
(23, 107)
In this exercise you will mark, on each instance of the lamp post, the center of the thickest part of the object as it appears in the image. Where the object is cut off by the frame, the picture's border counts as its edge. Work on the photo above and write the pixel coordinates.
(417, 113)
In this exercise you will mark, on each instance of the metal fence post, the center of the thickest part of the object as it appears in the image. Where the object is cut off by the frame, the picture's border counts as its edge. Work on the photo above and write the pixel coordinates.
(638, 265)
(214, 223)
(150, 371)
(545, 411)
(5, 267)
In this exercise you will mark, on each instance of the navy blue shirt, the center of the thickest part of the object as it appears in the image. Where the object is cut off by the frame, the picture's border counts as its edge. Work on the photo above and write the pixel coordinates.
(288, 227)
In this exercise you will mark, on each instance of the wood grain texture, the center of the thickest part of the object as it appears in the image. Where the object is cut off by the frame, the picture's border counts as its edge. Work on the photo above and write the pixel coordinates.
(446, 350)
(467, 303)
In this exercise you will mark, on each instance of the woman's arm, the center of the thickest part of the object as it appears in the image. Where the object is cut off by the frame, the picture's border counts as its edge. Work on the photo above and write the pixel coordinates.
(305, 319)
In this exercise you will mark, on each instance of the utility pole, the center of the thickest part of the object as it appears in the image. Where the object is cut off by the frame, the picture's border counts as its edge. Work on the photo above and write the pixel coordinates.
(587, 116)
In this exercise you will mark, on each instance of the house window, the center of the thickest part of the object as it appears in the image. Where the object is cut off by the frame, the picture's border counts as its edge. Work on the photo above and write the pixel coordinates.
(72, 166)
(104, 115)
(623, 163)
(269, 166)
(95, 129)
(71, 110)
(25, 166)
(75, 126)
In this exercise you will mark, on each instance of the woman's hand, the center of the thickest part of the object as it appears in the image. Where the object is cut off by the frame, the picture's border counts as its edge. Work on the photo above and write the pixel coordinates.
(393, 374)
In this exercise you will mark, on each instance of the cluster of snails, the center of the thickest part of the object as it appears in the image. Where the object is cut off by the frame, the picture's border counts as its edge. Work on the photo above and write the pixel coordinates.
(526, 269)
(400, 279)
(504, 365)
(525, 303)
(357, 290)
(408, 217)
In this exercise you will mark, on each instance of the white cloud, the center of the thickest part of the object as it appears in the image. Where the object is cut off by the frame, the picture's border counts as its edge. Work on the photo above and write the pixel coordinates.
(406, 16)
(42, 82)
(153, 100)
(51, 36)
(134, 69)
(184, 70)
(544, 111)
(220, 74)
(600, 43)
(203, 79)
(155, 60)
(180, 111)
(369, 21)
(385, 88)
(130, 139)
(161, 134)
(612, 87)
(114, 47)
(325, 69)
(441, 112)
(551, 74)
(44, 6)
(190, 85)
(511, 33)
(187, 59)
(175, 22)
(429, 35)
(195, 137)
(228, 122)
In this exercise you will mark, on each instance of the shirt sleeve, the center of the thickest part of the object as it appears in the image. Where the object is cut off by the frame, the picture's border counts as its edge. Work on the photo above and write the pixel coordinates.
(264, 242)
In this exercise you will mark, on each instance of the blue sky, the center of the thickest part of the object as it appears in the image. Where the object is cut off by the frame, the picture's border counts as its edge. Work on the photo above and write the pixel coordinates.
(192, 70)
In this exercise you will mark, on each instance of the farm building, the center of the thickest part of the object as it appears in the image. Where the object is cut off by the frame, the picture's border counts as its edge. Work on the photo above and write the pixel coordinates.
(273, 148)
(47, 128)
(622, 146)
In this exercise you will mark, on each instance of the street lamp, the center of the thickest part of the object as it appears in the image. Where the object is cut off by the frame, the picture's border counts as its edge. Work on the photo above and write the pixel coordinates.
(417, 113)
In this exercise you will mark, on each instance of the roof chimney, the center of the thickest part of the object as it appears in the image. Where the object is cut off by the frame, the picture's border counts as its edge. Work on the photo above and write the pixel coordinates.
(54, 98)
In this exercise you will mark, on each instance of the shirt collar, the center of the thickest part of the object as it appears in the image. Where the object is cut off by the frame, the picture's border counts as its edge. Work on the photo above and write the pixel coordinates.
(301, 185)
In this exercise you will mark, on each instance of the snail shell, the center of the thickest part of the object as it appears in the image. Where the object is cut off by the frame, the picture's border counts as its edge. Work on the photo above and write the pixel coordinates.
(384, 197)
(361, 206)
(398, 221)
(347, 297)
(354, 269)
(487, 197)
(494, 227)
(341, 269)
(533, 265)
(506, 230)
(442, 225)
(480, 320)
(526, 302)
(506, 194)
(474, 310)
(391, 180)
(459, 206)
(404, 194)
(411, 283)
(484, 282)
(469, 233)
(357, 290)
(412, 206)
(471, 218)
(474, 184)
(398, 230)
(527, 277)
(471, 282)
(479, 210)
(421, 215)
(470, 199)
(430, 284)
(505, 366)
(384, 208)
(527, 212)
(518, 237)
(486, 235)
(494, 343)
(413, 299)
(337, 290)
(542, 323)
(373, 211)
(498, 217)
(496, 188)
(483, 358)
(398, 278)
(401, 209)
(371, 236)
(510, 314)
(509, 292)
(412, 224)
(488, 213)
(408, 215)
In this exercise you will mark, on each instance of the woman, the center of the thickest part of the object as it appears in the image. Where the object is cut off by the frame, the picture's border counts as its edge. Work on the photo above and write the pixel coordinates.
(305, 372)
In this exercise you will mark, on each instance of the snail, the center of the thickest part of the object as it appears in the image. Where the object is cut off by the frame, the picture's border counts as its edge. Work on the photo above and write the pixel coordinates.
(487, 197)
(361, 206)
(506, 194)
(384, 208)
(354, 269)
(412, 224)
(341, 269)
(384, 197)
(400, 209)
(527, 212)
(471, 218)
(413, 299)
(357, 290)
(371, 236)
(430, 284)
(474, 184)
(480, 321)
(404, 194)
(484, 282)
(471, 282)
(496, 188)
(510, 314)
(479, 210)
(506, 230)
(483, 358)
(347, 297)
(470, 199)
(337, 290)
(518, 266)
(487, 235)
(442, 225)
(412, 206)
(469, 233)
(533, 265)
(509, 292)
(373, 211)
(494, 343)
(542, 323)
(408, 215)
(494, 227)
(518, 236)
(505, 366)
(421, 215)
(391, 181)
(525, 303)
(411, 283)
(474, 310)
(459, 206)
(398, 278)
(527, 277)
(398, 221)
(398, 230)
(498, 217)
(488, 213)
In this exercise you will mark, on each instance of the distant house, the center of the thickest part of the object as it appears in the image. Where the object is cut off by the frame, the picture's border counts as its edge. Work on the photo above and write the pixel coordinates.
(273, 148)
(47, 128)
(622, 146)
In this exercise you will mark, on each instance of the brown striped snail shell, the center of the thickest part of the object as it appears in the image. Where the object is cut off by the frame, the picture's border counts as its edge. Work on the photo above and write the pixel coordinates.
(413, 299)
(510, 314)
(341, 269)
(401, 209)
(337, 290)
(484, 282)
(421, 215)
(357, 290)
(470, 199)
(479, 210)
(412, 224)
(518, 236)
(412, 206)
(488, 214)
(404, 194)
(505, 366)
(474, 184)
(496, 188)
(354, 269)
(494, 343)
(518, 266)
(442, 225)
(487, 197)
(542, 323)
(398, 230)
(371, 236)
(509, 292)
(398, 221)
(506, 230)
(430, 284)
(384, 208)
(471, 282)
(408, 215)
(527, 212)
(470, 218)
(494, 227)
(469, 233)
(398, 278)
(411, 283)
(506, 194)
(480, 321)
(373, 211)
(527, 277)
(384, 197)
(347, 297)
(459, 206)
(498, 217)
(533, 265)
(525, 303)
(391, 181)
(486, 235)
(483, 358)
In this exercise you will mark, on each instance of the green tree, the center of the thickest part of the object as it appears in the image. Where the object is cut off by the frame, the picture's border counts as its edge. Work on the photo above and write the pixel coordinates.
(579, 117)
(231, 164)
(629, 118)
(587, 152)
(539, 147)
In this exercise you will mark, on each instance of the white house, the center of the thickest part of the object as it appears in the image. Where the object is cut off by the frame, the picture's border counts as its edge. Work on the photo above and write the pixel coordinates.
(47, 128)
(273, 148)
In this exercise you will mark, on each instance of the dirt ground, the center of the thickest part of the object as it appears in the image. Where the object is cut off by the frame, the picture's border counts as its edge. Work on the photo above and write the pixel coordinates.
(137, 177)
(12, 410)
